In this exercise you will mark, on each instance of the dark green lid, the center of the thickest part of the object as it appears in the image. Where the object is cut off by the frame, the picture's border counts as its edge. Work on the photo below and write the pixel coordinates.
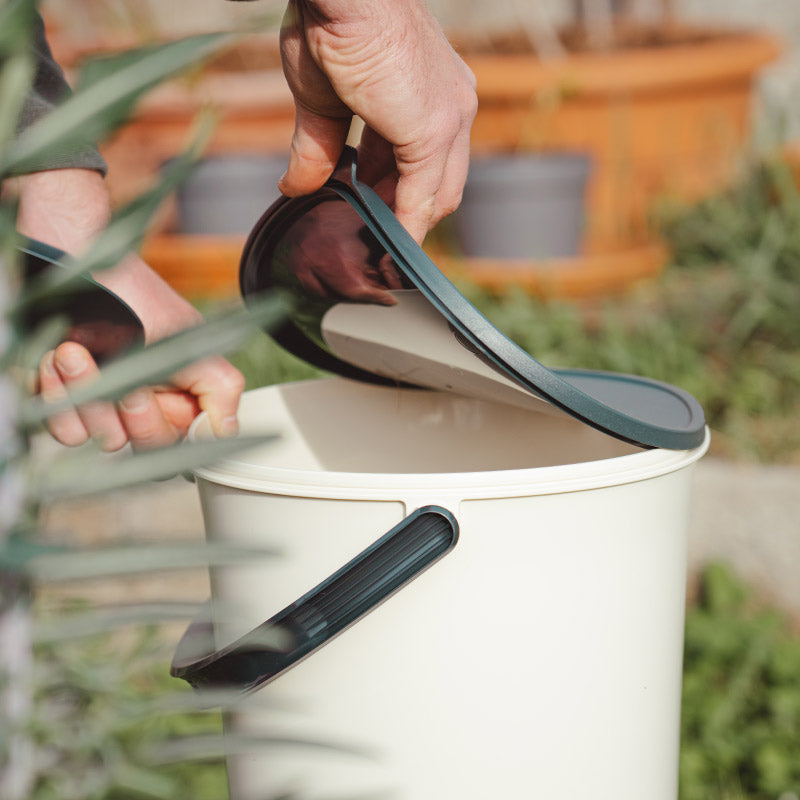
(432, 336)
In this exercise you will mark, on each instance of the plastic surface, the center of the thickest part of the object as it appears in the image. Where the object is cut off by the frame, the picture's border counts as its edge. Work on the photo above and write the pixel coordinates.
(276, 255)
(324, 612)
(224, 193)
(523, 206)
(541, 658)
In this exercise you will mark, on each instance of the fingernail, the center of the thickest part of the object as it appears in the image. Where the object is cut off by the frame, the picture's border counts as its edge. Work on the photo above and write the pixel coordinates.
(70, 361)
(135, 402)
(229, 426)
(48, 363)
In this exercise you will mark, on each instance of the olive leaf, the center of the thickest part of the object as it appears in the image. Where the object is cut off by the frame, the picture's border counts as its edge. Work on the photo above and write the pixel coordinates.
(106, 92)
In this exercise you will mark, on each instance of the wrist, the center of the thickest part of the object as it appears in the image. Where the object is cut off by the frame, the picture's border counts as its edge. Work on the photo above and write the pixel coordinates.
(65, 208)
(160, 308)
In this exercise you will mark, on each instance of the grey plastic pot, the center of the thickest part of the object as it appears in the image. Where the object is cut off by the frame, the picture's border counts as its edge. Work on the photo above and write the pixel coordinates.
(227, 194)
(523, 206)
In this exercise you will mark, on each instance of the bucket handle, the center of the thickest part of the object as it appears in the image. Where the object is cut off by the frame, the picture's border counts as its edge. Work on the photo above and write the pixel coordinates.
(310, 622)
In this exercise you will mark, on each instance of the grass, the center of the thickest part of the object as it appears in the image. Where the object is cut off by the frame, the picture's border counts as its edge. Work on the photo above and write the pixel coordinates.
(741, 697)
(103, 724)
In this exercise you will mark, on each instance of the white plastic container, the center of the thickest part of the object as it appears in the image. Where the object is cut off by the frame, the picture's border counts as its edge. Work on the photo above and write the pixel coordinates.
(541, 658)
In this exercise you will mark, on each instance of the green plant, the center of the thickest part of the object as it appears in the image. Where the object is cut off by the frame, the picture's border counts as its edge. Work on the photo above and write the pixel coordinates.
(741, 698)
(105, 707)
(59, 738)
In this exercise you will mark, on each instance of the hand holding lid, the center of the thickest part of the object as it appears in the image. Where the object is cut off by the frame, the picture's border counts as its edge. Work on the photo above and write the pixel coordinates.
(390, 64)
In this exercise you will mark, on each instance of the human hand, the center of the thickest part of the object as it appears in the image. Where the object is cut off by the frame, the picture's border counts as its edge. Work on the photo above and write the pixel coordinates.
(148, 417)
(390, 64)
(66, 209)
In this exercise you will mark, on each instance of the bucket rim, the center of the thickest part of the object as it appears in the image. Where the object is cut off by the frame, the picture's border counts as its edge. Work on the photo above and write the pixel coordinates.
(616, 470)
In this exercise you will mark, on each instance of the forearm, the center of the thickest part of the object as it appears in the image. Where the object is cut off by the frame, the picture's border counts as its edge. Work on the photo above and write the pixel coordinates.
(67, 208)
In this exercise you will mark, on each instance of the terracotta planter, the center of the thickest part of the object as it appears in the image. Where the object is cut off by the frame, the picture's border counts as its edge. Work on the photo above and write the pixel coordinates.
(255, 115)
(582, 277)
(667, 120)
(197, 267)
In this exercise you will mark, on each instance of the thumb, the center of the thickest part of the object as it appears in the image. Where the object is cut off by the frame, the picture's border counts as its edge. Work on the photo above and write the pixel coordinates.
(317, 144)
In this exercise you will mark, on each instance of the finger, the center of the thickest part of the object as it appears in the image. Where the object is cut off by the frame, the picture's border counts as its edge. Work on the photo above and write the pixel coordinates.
(144, 421)
(217, 385)
(317, 144)
(375, 159)
(389, 273)
(386, 188)
(65, 426)
(451, 189)
(179, 409)
(75, 366)
(415, 196)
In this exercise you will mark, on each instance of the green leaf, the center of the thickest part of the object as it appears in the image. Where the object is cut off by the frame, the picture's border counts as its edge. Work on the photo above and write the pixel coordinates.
(16, 24)
(113, 562)
(159, 361)
(126, 230)
(39, 341)
(16, 63)
(203, 748)
(137, 781)
(107, 91)
(97, 475)
(67, 628)
(206, 700)
(16, 76)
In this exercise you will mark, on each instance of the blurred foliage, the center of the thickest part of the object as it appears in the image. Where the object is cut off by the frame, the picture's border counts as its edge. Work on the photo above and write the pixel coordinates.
(96, 717)
(103, 711)
(741, 697)
(264, 363)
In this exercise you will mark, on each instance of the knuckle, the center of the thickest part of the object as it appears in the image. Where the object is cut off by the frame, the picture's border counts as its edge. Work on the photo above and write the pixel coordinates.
(232, 381)
(449, 204)
(470, 105)
(150, 434)
(65, 431)
(111, 443)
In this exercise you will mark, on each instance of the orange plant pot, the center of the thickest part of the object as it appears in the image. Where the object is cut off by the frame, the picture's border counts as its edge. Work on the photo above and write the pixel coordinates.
(254, 111)
(198, 267)
(583, 277)
(658, 121)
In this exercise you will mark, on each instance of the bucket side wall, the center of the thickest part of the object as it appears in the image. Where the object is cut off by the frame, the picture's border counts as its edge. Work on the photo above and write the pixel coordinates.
(544, 653)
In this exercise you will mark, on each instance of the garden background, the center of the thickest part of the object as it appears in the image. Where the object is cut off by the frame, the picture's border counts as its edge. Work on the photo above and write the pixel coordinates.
(717, 314)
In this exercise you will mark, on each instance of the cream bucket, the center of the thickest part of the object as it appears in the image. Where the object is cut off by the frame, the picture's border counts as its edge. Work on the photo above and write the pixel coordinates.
(539, 657)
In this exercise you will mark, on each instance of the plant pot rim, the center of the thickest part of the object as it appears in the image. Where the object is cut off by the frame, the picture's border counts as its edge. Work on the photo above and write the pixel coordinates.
(566, 155)
(722, 56)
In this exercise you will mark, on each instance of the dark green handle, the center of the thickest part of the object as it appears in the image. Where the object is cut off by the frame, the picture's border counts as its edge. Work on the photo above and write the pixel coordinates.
(338, 602)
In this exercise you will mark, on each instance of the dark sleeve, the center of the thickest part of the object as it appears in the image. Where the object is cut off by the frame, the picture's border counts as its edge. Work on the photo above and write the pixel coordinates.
(48, 89)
